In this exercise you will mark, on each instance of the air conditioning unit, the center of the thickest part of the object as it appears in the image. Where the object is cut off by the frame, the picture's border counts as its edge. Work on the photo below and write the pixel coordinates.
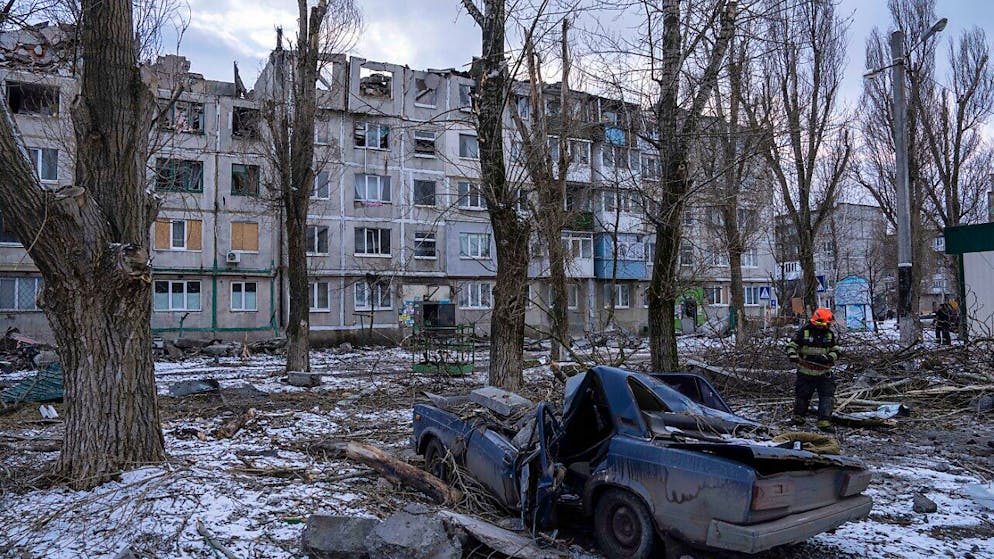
(233, 257)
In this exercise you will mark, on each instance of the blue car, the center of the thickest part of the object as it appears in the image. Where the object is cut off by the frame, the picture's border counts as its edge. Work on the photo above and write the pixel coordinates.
(652, 469)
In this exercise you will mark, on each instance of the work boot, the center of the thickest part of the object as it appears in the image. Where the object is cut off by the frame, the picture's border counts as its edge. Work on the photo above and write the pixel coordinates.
(797, 420)
(826, 426)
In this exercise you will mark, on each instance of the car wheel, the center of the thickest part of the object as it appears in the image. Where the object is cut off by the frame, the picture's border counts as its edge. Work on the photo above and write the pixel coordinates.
(435, 460)
(623, 526)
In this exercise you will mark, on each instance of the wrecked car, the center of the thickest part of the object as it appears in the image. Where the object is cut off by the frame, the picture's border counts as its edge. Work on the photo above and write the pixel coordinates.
(651, 469)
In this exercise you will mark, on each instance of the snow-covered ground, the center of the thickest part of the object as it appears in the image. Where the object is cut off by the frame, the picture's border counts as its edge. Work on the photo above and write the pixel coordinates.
(253, 491)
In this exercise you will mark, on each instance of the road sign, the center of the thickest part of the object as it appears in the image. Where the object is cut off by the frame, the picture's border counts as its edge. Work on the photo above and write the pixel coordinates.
(821, 284)
(764, 293)
(773, 303)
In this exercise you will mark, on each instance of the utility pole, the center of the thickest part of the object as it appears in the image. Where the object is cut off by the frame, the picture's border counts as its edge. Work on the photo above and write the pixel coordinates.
(905, 320)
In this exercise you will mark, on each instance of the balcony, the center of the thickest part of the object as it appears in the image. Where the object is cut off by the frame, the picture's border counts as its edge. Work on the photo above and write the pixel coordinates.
(630, 263)
(581, 221)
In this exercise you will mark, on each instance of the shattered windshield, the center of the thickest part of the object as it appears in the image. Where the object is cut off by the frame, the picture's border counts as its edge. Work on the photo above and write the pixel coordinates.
(676, 402)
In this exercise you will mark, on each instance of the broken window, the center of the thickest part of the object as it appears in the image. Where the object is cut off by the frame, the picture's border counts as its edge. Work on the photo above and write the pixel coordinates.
(317, 240)
(370, 135)
(469, 147)
(325, 76)
(182, 116)
(244, 180)
(320, 296)
(426, 90)
(552, 107)
(176, 296)
(243, 296)
(424, 143)
(19, 293)
(372, 297)
(32, 99)
(322, 131)
(424, 244)
(46, 163)
(375, 83)
(372, 242)
(620, 295)
(424, 192)
(713, 295)
(7, 235)
(475, 295)
(245, 123)
(579, 152)
(372, 188)
(179, 175)
(322, 186)
(466, 93)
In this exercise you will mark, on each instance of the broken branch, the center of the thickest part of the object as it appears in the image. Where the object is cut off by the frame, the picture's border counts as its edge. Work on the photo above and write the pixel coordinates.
(234, 424)
(401, 472)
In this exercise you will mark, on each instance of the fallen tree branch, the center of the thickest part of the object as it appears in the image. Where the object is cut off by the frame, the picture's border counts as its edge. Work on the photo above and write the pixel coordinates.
(212, 541)
(235, 424)
(401, 472)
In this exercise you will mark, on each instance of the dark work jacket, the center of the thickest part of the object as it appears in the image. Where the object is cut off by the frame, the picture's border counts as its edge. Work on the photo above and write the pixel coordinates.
(810, 341)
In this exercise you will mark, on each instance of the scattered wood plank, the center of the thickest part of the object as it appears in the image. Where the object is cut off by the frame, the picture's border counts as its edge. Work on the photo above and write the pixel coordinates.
(235, 424)
(401, 472)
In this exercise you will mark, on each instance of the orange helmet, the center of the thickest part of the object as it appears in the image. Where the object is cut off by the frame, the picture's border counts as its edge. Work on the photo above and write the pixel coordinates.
(821, 318)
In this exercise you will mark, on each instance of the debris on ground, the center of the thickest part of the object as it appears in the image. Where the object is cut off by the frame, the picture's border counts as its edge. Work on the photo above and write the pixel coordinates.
(255, 492)
(44, 386)
(923, 505)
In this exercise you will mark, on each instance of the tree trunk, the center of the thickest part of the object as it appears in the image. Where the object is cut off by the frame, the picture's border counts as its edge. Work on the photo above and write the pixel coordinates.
(809, 275)
(737, 291)
(93, 255)
(298, 324)
(507, 322)
(511, 232)
(297, 173)
(662, 295)
(557, 282)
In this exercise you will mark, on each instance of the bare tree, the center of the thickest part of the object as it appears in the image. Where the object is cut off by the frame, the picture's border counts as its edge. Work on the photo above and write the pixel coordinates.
(808, 148)
(730, 157)
(953, 120)
(703, 39)
(290, 115)
(876, 169)
(90, 242)
(511, 229)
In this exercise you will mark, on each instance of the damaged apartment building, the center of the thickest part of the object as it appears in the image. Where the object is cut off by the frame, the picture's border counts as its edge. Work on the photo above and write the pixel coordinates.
(396, 215)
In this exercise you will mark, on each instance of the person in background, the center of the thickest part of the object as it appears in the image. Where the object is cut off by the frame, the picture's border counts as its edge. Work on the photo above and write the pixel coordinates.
(945, 316)
(815, 349)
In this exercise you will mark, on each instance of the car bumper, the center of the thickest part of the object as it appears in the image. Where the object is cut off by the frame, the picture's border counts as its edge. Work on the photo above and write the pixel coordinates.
(789, 529)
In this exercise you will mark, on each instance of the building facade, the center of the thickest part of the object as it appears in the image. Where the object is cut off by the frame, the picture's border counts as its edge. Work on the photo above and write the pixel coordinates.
(397, 214)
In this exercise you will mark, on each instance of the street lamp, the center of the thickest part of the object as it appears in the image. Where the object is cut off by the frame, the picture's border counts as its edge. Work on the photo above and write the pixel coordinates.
(905, 320)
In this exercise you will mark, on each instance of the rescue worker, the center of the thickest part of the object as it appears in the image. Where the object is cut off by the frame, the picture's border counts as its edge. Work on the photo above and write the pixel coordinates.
(815, 349)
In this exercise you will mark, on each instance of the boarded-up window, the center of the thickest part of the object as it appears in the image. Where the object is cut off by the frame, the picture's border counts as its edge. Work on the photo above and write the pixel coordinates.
(245, 236)
(177, 234)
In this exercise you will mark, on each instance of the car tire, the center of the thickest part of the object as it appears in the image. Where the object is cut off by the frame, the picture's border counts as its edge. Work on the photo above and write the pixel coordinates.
(435, 460)
(623, 526)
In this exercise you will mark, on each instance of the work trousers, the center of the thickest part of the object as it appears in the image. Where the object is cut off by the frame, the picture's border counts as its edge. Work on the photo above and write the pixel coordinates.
(806, 386)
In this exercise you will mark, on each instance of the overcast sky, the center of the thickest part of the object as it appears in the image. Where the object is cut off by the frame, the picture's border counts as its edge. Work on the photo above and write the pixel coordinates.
(439, 34)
